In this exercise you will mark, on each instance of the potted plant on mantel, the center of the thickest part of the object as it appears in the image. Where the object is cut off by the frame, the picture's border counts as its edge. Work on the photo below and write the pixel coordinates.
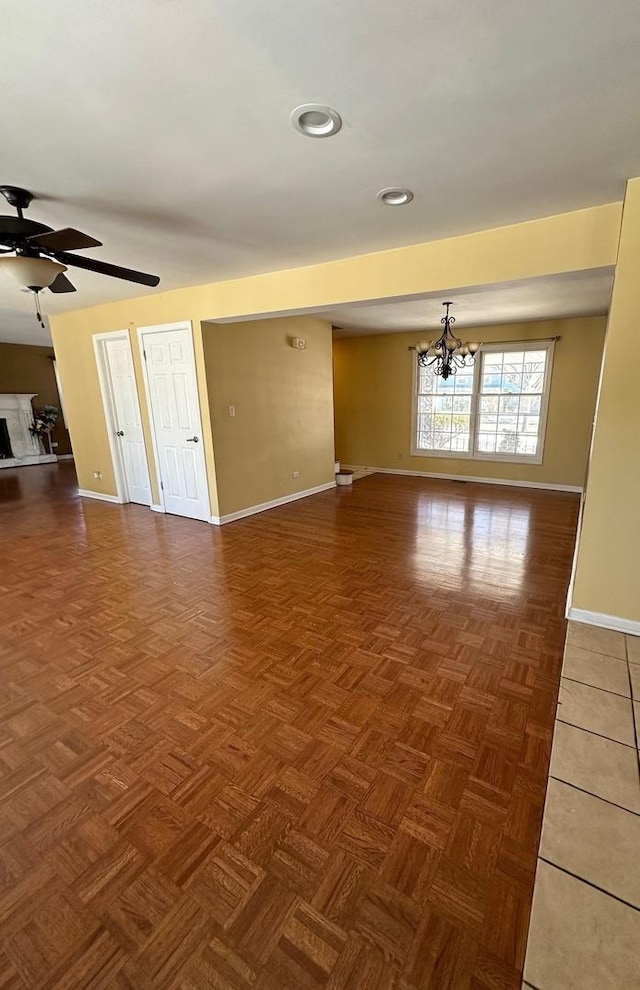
(44, 420)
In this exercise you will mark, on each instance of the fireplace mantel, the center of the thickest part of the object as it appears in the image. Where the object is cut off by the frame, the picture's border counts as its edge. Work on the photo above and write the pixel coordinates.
(16, 409)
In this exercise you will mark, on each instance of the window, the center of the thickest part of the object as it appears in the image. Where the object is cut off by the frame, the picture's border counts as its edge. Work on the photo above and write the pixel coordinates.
(444, 410)
(494, 410)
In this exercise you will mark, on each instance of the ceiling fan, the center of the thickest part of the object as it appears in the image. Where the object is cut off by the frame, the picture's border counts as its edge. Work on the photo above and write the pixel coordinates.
(37, 256)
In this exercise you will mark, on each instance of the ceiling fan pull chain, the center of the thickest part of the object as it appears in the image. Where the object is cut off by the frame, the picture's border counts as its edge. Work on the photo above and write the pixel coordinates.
(36, 298)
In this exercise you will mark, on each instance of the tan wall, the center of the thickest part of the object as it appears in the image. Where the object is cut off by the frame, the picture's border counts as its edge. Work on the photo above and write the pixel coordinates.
(608, 560)
(284, 408)
(374, 392)
(28, 368)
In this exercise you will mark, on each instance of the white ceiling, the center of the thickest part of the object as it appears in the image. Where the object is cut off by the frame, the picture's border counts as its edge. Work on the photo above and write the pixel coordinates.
(161, 126)
(553, 297)
(19, 325)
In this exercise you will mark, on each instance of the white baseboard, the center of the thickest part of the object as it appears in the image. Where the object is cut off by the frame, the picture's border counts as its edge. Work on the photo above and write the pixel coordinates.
(615, 622)
(157, 508)
(264, 506)
(99, 495)
(358, 471)
(574, 562)
(64, 457)
(468, 477)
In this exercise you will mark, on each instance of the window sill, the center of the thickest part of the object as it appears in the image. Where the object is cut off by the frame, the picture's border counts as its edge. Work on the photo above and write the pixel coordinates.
(453, 455)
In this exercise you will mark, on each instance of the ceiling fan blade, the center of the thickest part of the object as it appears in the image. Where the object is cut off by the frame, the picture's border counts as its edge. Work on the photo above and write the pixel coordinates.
(61, 284)
(15, 230)
(66, 239)
(103, 268)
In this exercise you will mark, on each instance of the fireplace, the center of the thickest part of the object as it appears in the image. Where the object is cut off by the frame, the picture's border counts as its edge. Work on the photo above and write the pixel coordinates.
(5, 441)
(17, 446)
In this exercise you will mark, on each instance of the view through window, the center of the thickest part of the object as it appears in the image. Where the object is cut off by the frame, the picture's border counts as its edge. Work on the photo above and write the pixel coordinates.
(493, 410)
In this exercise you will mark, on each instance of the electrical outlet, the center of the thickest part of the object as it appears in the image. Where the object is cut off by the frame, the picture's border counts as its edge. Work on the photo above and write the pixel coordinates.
(97, 474)
(232, 411)
(295, 474)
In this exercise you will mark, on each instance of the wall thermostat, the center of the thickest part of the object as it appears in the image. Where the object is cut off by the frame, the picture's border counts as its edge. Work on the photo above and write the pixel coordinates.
(298, 342)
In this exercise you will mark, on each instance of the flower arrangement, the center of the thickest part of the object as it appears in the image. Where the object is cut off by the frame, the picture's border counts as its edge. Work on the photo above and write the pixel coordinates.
(44, 420)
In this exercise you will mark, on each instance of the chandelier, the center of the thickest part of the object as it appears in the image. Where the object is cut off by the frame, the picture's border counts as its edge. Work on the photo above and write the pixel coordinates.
(446, 354)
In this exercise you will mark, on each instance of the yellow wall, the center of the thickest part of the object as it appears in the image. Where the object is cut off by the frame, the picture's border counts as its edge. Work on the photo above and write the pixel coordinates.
(84, 412)
(374, 391)
(284, 408)
(575, 241)
(608, 561)
(28, 368)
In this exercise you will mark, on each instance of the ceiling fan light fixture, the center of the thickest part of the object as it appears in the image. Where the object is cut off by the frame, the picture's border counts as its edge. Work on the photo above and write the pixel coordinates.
(31, 273)
(315, 120)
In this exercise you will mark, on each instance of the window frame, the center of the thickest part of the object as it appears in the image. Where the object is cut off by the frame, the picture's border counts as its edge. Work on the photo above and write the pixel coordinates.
(474, 454)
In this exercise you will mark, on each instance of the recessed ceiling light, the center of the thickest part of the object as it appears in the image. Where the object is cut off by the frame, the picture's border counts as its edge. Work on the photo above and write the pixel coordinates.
(316, 120)
(395, 196)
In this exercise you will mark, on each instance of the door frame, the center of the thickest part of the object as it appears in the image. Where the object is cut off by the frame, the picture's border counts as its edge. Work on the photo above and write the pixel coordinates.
(164, 328)
(108, 404)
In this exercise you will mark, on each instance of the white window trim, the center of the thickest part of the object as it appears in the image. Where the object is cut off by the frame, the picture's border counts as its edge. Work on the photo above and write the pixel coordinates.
(474, 454)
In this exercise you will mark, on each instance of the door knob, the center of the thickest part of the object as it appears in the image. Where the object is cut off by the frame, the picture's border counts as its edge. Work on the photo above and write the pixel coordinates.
(119, 433)
(192, 440)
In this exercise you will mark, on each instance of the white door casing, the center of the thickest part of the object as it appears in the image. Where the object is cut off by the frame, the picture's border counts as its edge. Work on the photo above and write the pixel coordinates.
(172, 393)
(128, 423)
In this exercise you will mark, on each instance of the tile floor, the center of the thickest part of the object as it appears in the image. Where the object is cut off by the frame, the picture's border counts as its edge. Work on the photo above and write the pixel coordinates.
(585, 921)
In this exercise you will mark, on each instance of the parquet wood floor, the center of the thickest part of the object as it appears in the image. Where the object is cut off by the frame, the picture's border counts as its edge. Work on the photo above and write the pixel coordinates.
(308, 750)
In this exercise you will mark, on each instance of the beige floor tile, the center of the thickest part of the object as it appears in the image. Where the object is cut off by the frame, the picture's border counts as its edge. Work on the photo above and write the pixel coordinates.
(636, 709)
(595, 669)
(598, 711)
(634, 670)
(579, 938)
(593, 839)
(633, 648)
(603, 767)
(597, 640)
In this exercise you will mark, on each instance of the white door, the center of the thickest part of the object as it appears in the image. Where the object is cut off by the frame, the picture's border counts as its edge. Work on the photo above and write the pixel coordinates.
(127, 423)
(173, 397)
